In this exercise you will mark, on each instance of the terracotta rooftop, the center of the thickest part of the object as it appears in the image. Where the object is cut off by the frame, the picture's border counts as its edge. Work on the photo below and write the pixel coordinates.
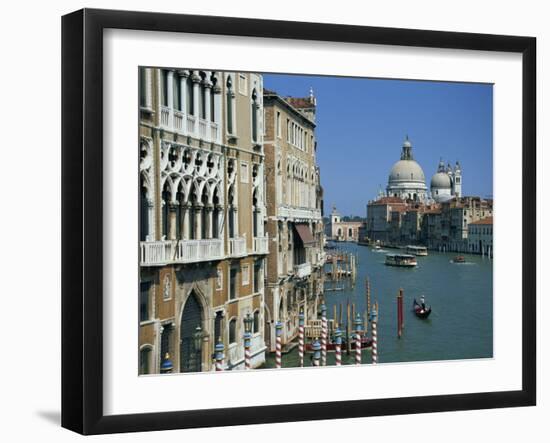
(388, 200)
(300, 102)
(484, 221)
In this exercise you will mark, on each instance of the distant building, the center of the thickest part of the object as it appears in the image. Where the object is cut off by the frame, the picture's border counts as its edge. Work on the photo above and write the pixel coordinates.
(379, 214)
(446, 182)
(340, 230)
(480, 237)
(407, 181)
(294, 214)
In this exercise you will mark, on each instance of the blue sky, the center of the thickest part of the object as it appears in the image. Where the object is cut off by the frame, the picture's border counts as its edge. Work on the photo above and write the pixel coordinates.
(361, 125)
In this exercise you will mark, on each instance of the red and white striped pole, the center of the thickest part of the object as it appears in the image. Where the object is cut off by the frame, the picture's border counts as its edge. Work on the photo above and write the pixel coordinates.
(219, 355)
(301, 318)
(247, 356)
(374, 326)
(358, 330)
(278, 345)
(338, 346)
(324, 334)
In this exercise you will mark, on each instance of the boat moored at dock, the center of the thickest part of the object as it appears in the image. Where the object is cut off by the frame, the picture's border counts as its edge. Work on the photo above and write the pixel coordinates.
(401, 260)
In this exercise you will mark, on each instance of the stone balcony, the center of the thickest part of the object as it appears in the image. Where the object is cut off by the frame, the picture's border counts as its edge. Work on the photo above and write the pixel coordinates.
(159, 253)
(184, 124)
(237, 247)
(298, 213)
(261, 245)
(303, 270)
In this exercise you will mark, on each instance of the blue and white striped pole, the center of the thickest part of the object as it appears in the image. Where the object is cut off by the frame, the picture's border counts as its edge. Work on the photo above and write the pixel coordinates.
(219, 348)
(338, 343)
(316, 347)
(324, 334)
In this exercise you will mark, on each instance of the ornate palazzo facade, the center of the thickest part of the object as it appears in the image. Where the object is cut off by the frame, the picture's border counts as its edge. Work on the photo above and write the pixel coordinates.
(202, 209)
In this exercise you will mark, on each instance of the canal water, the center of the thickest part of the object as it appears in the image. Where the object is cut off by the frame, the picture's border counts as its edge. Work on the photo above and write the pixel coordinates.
(461, 295)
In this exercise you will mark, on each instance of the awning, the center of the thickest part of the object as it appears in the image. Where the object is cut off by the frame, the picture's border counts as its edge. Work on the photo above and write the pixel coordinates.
(304, 233)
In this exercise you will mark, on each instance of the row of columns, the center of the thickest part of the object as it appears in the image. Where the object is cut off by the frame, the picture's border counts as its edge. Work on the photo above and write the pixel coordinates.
(197, 83)
(185, 231)
(185, 227)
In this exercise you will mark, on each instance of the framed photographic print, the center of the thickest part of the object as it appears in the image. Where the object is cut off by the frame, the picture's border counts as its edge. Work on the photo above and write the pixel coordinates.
(273, 221)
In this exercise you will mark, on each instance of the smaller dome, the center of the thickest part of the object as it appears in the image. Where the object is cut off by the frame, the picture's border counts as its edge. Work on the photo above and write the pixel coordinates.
(407, 143)
(441, 180)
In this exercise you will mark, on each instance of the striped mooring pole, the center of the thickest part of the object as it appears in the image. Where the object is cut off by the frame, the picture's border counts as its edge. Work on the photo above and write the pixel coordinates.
(219, 355)
(374, 326)
(301, 318)
(358, 330)
(338, 345)
(316, 346)
(278, 346)
(247, 338)
(324, 334)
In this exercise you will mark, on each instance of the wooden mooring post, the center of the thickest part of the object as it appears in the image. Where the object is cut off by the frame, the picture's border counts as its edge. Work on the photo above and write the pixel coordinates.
(400, 313)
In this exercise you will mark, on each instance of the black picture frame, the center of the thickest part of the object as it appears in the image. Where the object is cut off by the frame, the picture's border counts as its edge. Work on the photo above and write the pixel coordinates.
(82, 215)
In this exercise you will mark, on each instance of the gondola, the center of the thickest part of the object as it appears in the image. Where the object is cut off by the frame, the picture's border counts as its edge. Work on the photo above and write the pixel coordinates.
(421, 312)
(459, 259)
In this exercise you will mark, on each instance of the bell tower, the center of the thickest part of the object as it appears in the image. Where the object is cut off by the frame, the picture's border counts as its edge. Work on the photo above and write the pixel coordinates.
(457, 180)
(334, 216)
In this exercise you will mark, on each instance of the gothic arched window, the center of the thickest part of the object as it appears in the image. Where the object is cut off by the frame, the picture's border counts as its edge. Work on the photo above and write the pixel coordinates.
(230, 97)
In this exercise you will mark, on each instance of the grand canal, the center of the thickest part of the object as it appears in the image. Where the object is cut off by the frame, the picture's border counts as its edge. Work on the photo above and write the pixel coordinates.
(461, 296)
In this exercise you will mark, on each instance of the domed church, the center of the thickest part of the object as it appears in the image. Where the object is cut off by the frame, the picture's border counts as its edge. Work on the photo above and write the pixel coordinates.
(406, 179)
(446, 182)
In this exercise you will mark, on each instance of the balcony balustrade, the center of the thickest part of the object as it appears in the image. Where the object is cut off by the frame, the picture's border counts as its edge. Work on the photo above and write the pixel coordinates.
(178, 121)
(299, 213)
(237, 247)
(164, 116)
(303, 270)
(261, 245)
(158, 253)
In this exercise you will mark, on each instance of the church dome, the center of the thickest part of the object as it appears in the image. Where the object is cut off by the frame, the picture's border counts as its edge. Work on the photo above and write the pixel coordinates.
(441, 180)
(406, 171)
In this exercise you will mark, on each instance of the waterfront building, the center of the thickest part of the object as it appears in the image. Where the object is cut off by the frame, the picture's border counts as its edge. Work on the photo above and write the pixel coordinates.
(340, 230)
(202, 240)
(379, 214)
(447, 229)
(480, 237)
(294, 214)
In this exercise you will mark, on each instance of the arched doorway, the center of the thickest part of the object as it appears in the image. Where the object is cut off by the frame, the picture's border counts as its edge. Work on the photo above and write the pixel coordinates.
(190, 355)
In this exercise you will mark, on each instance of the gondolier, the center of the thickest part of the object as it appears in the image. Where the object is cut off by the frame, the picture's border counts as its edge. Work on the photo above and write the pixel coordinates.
(420, 309)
